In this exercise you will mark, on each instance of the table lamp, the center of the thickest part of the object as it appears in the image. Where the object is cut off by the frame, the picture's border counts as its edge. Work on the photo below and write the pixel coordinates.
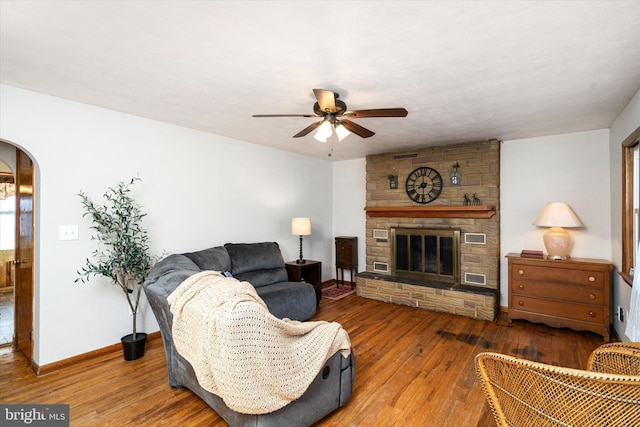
(301, 227)
(557, 241)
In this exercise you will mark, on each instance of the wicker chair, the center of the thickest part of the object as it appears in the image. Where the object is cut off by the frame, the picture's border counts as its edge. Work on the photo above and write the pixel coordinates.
(525, 393)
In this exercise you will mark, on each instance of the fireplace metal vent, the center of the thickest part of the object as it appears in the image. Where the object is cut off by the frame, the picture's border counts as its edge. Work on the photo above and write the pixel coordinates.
(381, 267)
(475, 279)
(475, 238)
(380, 234)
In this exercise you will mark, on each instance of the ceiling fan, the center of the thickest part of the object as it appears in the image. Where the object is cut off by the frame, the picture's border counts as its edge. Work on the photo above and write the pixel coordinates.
(335, 115)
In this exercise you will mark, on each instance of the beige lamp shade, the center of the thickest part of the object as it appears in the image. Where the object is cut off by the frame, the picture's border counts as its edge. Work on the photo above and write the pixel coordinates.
(301, 226)
(557, 241)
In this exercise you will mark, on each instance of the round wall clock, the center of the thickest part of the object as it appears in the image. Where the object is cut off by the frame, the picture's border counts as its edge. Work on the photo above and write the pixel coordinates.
(424, 185)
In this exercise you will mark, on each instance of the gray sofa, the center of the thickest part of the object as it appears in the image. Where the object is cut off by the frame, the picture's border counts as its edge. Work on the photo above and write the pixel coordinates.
(262, 265)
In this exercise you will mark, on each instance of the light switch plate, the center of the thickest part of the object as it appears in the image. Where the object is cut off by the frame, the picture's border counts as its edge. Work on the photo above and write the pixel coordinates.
(68, 232)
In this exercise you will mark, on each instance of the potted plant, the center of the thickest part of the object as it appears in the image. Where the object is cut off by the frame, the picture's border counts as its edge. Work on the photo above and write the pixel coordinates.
(122, 254)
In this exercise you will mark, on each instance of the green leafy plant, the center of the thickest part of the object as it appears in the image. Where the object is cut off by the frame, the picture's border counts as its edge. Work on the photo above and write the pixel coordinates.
(123, 244)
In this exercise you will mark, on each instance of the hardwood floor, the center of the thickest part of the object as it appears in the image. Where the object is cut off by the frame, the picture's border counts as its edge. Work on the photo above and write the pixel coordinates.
(413, 368)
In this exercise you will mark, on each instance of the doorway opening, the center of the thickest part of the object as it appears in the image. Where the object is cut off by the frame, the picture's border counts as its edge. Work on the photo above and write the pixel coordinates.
(7, 253)
(20, 270)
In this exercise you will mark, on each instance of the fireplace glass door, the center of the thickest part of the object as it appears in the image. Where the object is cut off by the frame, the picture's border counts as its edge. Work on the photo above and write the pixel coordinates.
(430, 254)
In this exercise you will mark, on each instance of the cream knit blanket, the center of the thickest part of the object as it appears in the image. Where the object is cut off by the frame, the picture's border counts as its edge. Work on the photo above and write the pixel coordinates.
(240, 352)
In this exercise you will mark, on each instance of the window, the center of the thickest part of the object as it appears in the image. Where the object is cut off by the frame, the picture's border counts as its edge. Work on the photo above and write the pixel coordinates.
(630, 202)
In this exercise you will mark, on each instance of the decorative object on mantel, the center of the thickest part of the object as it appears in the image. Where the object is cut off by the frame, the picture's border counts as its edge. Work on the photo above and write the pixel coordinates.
(478, 212)
(393, 182)
(455, 174)
(466, 201)
(557, 241)
(476, 201)
(424, 185)
(301, 227)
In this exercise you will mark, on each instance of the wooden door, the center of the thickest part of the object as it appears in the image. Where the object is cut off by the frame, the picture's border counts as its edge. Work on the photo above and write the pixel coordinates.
(24, 255)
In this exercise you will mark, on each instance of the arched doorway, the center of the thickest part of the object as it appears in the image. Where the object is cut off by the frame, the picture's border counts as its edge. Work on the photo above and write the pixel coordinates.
(23, 260)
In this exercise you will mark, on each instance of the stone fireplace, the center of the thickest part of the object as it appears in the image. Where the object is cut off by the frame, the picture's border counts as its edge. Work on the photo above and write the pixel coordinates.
(444, 255)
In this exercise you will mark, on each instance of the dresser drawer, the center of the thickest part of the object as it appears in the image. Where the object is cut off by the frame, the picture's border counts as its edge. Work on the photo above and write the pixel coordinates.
(343, 254)
(558, 291)
(568, 310)
(346, 252)
(558, 275)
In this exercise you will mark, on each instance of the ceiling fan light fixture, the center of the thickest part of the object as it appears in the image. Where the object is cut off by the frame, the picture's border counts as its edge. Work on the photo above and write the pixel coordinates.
(324, 131)
(334, 114)
(319, 137)
(342, 132)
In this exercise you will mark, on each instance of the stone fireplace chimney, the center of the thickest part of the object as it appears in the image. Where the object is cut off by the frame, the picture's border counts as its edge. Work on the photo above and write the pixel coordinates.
(474, 271)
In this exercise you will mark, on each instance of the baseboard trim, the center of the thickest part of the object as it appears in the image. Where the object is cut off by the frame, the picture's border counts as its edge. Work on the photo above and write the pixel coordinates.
(66, 363)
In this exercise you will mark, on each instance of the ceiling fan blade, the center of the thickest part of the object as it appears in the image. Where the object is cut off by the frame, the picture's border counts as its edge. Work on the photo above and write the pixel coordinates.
(284, 115)
(378, 112)
(357, 129)
(326, 100)
(308, 129)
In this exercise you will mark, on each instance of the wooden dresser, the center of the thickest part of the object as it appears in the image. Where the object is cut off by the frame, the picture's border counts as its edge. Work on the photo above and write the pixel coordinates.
(574, 293)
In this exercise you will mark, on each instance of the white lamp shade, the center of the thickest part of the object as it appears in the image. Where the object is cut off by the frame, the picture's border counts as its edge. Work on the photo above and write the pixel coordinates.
(557, 241)
(323, 132)
(301, 226)
(342, 132)
(557, 214)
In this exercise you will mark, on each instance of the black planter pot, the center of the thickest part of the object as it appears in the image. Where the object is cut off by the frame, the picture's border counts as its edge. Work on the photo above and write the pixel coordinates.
(133, 349)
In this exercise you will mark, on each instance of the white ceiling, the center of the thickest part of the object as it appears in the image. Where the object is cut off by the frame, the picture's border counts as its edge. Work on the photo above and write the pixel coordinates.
(464, 70)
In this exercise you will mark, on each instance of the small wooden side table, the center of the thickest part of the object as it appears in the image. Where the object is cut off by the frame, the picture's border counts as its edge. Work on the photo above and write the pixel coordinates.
(346, 257)
(310, 271)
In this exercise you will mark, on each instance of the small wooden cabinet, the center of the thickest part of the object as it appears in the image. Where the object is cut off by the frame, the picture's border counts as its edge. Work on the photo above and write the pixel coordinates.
(573, 293)
(346, 257)
(308, 271)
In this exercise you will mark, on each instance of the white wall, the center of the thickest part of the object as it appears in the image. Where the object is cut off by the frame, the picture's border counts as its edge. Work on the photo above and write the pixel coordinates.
(202, 190)
(199, 190)
(571, 168)
(625, 124)
(349, 200)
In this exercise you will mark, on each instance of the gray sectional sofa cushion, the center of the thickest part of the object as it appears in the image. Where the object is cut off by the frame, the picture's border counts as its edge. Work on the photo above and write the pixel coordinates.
(262, 265)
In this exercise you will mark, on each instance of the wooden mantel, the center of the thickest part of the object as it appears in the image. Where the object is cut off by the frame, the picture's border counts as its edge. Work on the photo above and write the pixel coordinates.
(483, 212)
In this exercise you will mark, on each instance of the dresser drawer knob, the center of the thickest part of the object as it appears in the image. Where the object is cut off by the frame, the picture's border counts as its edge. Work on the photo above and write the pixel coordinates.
(592, 279)
(520, 271)
(592, 314)
(520, 303)
(592, 296)
(521, 287)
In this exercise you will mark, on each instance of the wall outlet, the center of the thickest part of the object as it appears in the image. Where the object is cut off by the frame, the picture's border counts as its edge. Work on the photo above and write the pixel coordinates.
(68, 232)
(621, 314)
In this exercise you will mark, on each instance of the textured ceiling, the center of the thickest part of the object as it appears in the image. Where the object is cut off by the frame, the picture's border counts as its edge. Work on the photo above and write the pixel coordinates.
(464, 70)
